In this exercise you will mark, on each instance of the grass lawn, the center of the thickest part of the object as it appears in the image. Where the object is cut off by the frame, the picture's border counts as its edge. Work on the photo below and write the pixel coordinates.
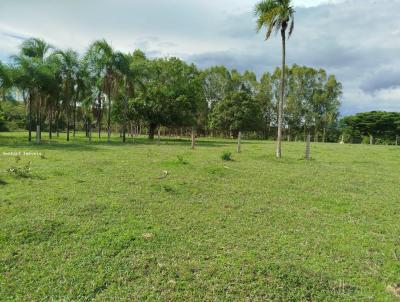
(98, 222)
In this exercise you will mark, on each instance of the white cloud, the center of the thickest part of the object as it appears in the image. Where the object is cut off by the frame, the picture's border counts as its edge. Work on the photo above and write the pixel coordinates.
(312, 3)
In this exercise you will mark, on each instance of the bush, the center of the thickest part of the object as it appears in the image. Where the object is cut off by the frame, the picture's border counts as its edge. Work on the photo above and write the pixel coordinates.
(23, 171)
(226, 155)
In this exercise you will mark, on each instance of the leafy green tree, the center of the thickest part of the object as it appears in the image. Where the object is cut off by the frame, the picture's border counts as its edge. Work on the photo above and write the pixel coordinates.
(13, 116)
(277, 15)
(237, 112)
(377, 126)
(5, 84)
(264, 97)
(171, 96)
(5, 80)
(216, 84)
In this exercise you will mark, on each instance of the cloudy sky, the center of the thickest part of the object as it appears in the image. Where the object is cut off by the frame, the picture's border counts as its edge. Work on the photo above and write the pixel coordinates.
(357, 40)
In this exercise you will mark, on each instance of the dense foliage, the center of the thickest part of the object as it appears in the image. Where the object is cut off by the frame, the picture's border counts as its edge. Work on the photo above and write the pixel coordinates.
(105, 89)
(373, 127)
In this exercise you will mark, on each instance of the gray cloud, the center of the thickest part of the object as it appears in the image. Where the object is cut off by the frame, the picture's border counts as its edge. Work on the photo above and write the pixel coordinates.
(382, 80)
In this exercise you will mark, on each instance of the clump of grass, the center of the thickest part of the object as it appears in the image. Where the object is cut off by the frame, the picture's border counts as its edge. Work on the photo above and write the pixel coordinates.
(181, 160)
(227, 156)
(23, 171)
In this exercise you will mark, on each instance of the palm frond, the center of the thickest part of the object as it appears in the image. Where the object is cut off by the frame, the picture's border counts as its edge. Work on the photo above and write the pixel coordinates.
(274, 15)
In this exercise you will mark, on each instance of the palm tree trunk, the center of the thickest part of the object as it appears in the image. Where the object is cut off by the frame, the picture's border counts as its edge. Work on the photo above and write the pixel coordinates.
(30, 117)
(280, 109)
(38, 122)
(74, 119)
(50, 123)
(68, 125)
(109, 116)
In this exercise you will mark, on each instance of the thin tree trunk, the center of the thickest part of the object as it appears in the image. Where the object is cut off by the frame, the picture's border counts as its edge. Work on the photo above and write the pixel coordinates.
(281, 101)
(74, 118)
(38, 122)
(371, 139)
(193, 138)
(152, 129)
(125, 123)
(109, 116)
(37, 134)
(90, 132)
(239, 142)
(86, 127)
(124, 133)
(50, 122)
(57, 124)
(99, 114)
(30, 118)
(158, 136)
(68, 122)
(308, 147)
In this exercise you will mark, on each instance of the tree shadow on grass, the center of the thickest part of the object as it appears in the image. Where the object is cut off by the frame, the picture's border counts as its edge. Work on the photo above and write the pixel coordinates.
(46, 145)
(81, 143)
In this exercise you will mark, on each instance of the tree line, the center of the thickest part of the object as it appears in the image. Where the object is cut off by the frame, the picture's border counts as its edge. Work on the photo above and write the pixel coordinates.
(106, 89)
(375, 127)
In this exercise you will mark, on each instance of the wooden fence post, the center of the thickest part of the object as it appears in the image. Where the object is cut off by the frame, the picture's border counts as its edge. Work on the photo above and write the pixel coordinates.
(239, 142)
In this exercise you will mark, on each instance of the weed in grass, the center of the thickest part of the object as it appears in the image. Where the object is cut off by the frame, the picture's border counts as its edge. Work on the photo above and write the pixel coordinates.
(20, 171)
(181, 160)
(227, 156)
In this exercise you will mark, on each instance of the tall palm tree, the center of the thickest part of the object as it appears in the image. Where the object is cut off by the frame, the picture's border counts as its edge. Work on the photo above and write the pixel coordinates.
(123, 74)
(26, 79)
(36, 51)
(69, 65)
(35, 48)
(82, 94)
(278, 16)
(129, 71)
(101, 61)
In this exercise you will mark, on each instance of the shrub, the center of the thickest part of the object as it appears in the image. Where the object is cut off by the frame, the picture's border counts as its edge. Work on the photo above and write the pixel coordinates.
(226, 155)
(23, 171)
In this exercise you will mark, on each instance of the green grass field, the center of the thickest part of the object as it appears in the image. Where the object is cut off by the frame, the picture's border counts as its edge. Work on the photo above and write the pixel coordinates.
(98, 222)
